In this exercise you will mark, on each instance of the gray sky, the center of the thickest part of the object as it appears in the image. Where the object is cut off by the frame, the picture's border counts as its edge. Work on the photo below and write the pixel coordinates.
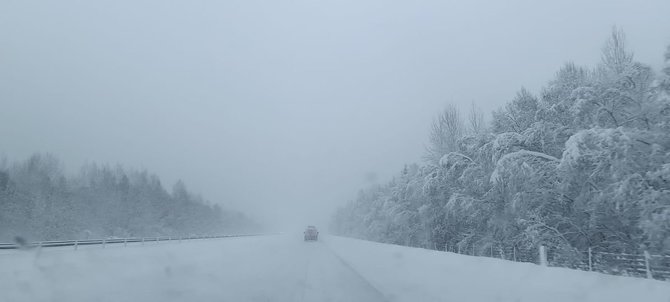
(280, 108)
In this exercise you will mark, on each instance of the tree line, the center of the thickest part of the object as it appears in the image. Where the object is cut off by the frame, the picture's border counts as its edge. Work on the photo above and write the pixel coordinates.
(584, 163)
(39, 202)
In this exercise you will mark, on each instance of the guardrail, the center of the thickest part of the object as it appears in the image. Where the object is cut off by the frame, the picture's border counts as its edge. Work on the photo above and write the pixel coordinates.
(104, 242)
(643, 265)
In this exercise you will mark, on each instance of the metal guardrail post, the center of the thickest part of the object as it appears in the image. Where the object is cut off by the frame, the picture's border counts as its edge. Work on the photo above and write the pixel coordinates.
(104, 242)
(543, 255)
(76, 244)
(125, 242)
(590, 260)
(142, 240)
(647, 257)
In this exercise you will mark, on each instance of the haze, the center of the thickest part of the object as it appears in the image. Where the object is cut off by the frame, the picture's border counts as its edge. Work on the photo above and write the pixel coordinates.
(282, 109)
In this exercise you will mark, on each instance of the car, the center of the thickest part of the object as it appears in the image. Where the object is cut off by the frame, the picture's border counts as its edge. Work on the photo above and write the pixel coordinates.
(311, 234)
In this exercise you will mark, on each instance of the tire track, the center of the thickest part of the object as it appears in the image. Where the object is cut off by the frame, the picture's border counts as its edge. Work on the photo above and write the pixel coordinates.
(380, 295)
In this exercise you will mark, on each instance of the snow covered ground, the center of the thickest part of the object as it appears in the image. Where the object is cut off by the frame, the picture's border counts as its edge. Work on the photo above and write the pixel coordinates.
(284, 268)
(410, 274)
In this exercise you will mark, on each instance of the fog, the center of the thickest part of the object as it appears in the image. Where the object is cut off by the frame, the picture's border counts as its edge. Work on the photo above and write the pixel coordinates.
(281, 109)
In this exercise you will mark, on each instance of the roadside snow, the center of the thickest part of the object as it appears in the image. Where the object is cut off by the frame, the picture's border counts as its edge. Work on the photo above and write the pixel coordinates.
(412, 274)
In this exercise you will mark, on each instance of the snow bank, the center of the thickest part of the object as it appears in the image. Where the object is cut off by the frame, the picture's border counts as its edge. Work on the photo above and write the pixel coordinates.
(412, 274)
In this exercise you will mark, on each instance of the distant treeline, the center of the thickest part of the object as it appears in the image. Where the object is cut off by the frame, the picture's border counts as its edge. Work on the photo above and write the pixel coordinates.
(38, 201)
(584, 164)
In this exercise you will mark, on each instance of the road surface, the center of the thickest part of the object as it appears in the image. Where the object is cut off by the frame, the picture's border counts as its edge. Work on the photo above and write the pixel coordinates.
(284, 268)
(267, 268)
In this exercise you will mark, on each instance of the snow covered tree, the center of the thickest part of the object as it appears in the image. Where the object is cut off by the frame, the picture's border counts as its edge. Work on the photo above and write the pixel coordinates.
(39, 202)
(517, 115)
(559, 96)
(614, 55)
(587, 165)
(476, 125)
(621, 91)
(603, 172)
(446, 130)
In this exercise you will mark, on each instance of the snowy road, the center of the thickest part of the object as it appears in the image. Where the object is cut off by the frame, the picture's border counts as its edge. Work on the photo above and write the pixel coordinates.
(284, 268)
(267, 268)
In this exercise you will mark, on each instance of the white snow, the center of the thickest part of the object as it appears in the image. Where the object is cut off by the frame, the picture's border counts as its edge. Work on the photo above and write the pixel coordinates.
(266, 268)
(284, 268)
(412, 274)
(451, 157)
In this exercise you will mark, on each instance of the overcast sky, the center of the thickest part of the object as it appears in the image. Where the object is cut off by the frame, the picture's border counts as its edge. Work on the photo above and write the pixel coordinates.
(284, 109)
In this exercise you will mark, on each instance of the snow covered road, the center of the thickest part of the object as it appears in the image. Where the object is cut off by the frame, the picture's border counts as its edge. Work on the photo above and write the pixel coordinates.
(265, 268)
(284, 268)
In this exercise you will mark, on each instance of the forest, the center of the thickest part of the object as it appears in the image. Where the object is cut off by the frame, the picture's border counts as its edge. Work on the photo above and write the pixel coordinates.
(584, 163)
(39, 202)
